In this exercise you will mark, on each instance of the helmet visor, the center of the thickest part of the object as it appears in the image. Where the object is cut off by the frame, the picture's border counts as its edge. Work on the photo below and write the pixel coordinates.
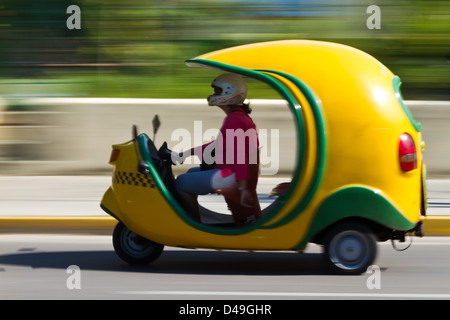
(217, 90)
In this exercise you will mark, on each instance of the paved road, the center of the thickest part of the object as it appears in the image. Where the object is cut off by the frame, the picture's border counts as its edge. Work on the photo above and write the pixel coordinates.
(35, 266)
(41, 267)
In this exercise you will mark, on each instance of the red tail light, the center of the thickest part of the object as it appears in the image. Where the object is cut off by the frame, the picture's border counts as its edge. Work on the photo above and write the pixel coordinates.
(114, 155)
(407, 153)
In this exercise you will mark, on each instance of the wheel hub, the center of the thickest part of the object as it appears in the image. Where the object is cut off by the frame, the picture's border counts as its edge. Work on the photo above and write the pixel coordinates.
(348, 250)
(135, 244)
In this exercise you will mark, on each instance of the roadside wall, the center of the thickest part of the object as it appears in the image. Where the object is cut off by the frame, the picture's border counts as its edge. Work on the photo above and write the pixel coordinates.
(74, 135)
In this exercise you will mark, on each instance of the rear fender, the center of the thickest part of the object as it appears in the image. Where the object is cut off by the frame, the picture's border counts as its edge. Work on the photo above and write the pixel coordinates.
(358, 202)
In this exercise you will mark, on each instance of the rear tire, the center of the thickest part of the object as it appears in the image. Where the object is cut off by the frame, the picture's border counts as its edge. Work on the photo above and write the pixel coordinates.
(350, 248)
(134, 249)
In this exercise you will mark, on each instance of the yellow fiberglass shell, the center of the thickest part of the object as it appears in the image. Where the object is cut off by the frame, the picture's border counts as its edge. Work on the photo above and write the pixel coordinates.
(349, 116)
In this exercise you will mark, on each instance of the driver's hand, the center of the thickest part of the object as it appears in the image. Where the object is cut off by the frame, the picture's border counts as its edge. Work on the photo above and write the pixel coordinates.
(178, 157)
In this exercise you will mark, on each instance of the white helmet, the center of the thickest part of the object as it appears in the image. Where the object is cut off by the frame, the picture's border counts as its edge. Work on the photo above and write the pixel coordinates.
(229, 89)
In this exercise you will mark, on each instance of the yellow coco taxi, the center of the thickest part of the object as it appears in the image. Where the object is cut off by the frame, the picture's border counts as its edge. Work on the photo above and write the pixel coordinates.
(359, 176)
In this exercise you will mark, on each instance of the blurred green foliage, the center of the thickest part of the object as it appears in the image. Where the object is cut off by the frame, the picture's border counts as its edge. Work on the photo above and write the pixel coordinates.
(137, 48)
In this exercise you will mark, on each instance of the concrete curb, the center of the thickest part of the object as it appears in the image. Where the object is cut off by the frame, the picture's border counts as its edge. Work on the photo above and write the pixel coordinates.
(436, 225)
(79, 225)
(433, 225)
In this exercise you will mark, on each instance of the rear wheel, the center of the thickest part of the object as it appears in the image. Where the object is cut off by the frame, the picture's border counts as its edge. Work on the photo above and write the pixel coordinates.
(350, 248)
(133, 248)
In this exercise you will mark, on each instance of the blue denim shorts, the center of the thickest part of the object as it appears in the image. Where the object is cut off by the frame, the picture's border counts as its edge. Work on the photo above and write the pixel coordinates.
(203, 182)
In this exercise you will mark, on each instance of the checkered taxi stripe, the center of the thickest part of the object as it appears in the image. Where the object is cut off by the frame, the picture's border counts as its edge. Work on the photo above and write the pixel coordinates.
(133, 179)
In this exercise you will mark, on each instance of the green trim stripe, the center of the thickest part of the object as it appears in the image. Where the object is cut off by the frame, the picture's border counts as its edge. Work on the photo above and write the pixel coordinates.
(295, 107)
(396, 83)
(316, 108)
(315, 104)
(357, 201)
(297, 113)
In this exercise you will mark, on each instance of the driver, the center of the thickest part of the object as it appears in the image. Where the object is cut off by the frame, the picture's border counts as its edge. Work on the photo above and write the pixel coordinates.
(235, 148)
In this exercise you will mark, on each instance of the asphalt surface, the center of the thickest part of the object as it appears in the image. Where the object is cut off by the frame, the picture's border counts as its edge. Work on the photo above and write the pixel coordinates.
(86, 267)
(52, 224)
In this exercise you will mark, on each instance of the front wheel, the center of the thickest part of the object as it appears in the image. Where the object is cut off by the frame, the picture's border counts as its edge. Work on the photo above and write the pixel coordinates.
(133, 248)
(350, 248)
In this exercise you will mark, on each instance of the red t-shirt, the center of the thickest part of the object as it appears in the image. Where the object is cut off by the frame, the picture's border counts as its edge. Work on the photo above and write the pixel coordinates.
(236, 145)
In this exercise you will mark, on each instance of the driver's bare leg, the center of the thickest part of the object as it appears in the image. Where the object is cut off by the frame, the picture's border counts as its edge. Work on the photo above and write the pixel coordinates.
(190, 204)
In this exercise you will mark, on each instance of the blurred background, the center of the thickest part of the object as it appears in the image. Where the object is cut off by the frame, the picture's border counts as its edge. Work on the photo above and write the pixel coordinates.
(137, 49)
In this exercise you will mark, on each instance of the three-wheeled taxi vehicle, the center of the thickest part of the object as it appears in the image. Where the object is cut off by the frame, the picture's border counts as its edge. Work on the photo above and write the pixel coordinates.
(359, 174)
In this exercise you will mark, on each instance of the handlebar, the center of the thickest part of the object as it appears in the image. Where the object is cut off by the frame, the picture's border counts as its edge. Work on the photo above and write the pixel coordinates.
(160, 158)
(165, 154)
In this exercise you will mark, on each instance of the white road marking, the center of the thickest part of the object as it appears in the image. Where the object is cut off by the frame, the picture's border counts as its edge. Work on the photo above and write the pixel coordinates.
(292, 294)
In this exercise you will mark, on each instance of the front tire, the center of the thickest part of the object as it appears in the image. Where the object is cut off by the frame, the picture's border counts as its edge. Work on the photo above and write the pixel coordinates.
(134, 249)
(350, 248)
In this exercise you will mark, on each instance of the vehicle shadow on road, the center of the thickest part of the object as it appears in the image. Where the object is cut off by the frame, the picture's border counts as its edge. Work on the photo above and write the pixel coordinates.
(178, 262)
